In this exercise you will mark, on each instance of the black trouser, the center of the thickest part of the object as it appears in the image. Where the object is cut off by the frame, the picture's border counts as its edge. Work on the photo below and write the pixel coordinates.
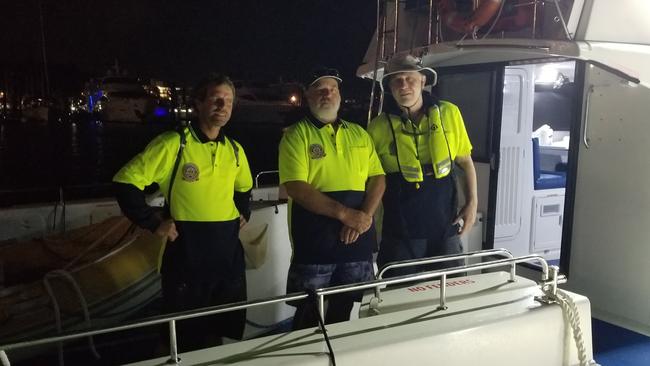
(338, 310)
(181, 295)
(205, 267)
(393, 250)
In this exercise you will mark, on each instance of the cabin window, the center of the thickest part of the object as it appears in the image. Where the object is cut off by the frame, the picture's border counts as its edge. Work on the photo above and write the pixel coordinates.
(473, 93)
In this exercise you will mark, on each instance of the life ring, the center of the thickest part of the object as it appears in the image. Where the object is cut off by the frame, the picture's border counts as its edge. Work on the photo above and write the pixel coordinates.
(517, 16)
(462, 23)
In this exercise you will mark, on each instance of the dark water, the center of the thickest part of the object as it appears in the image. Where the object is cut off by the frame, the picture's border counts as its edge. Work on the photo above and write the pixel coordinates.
(38, 160)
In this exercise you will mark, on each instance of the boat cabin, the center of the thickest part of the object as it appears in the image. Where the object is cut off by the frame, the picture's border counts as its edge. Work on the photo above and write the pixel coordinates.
(555, 99)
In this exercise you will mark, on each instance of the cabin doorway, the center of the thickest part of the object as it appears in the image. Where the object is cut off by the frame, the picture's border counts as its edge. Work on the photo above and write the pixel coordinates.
(476, 90)
(538, 115)
(519, 118)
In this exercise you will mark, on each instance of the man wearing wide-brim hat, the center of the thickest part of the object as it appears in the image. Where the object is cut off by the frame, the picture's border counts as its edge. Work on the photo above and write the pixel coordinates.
(335, 182)
(421, 142)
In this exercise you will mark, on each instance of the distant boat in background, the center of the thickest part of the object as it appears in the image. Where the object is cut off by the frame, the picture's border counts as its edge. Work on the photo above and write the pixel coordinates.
(34, 109)
(259, 102)
(120, 99)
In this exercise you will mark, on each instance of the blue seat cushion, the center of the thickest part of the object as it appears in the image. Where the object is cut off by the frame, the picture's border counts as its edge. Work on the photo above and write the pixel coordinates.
(549, 180)
(544, 179)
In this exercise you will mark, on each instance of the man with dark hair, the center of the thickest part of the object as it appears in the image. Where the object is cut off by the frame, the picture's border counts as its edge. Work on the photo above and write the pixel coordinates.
(200, 90)
(206, 181)
(334, 180)
(419, 140)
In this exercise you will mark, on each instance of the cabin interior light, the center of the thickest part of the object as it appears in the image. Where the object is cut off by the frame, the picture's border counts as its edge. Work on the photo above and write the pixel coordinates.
(548, 74)
(551, 76)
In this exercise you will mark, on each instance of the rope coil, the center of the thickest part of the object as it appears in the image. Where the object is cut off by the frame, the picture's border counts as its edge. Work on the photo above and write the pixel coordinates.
(57, 310)
(572, 315)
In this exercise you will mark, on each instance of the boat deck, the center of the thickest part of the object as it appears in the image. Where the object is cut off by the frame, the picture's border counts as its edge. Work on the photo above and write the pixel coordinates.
(616, 346)
(613, 346)
(485, 313)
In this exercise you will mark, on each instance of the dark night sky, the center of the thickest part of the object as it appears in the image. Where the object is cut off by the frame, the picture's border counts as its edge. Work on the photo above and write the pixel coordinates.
(181, 40)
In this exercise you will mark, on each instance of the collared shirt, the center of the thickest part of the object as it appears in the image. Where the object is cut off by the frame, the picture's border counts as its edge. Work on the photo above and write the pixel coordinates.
(328, 159)
(209, 173)
(199, 135)
(338, 163)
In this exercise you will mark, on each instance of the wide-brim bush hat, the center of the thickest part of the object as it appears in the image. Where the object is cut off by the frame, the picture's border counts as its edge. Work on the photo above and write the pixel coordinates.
(408, 63)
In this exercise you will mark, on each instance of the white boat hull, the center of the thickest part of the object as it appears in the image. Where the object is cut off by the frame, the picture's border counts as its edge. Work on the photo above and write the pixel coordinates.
(270, 279)
(127, 110)
(489, 321)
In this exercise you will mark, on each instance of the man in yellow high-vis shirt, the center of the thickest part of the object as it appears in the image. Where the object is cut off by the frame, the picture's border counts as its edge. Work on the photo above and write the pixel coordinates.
(419, 140)
(335, 181)
(206, 181)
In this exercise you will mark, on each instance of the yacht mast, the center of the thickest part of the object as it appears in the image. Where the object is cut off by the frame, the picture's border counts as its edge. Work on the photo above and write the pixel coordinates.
(46, 77)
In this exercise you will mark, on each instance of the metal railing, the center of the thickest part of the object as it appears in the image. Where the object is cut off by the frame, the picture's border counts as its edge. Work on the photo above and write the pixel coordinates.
(320, 294)
(264, 172)
(444, 258)
(389, 14)
(442, 273)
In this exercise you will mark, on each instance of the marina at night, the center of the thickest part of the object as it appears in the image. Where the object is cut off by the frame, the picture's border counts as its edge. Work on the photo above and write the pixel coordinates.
(304, 182)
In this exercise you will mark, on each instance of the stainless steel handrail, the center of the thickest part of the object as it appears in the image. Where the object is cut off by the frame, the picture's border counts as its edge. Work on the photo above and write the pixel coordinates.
(376, 70)
(158, 320)
(396, 28)
(258, 175)
(585, 136)
(320, 293)
(430, 23)
(438, 273)
(559, 13)
(444, 258)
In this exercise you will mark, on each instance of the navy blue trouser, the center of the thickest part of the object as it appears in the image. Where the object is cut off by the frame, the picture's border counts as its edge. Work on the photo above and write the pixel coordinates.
(392, 250)
(303, 277)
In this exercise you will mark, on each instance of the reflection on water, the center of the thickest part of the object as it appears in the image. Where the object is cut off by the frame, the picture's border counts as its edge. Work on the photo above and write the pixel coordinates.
(36, 159)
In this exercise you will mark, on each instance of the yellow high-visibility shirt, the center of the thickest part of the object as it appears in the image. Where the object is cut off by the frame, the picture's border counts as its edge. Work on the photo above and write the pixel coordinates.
(208, 175)
(329, 160)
